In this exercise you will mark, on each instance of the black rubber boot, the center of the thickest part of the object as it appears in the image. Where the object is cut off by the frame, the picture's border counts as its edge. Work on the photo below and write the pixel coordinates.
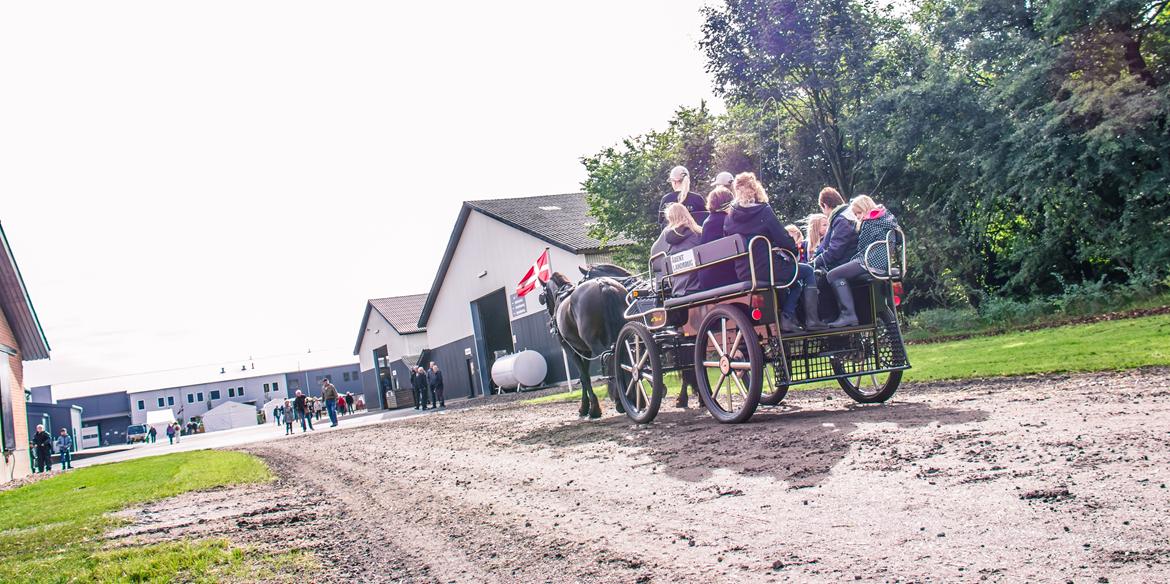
(788, 323)
(848, 316)
(812, 314)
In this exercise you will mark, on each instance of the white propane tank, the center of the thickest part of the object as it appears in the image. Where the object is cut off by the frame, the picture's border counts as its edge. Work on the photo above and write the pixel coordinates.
(525, 368)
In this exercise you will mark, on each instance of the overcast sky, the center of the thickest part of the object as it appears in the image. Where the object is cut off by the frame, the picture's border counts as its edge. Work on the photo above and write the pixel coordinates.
(190, 183)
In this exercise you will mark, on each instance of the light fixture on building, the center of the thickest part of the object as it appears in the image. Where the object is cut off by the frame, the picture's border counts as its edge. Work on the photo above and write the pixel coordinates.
(482, 274)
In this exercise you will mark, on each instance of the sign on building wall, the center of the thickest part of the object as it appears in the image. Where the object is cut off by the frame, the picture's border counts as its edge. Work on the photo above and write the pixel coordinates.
(519, 305)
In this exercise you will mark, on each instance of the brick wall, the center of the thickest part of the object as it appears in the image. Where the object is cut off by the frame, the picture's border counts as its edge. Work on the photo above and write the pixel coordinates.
(18, 465)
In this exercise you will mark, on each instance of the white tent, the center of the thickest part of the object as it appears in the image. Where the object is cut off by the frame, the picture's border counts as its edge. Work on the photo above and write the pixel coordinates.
(160, 419)
(229, 415)
(271, 405)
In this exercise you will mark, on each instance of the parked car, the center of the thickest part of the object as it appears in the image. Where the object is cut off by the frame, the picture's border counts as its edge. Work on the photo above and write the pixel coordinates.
(137, 433)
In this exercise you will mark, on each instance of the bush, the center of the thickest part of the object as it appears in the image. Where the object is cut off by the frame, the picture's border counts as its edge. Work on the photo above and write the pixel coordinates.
(936, 321)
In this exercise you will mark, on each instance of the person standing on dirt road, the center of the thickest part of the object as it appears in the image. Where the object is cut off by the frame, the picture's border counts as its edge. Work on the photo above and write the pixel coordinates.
(435, 381)
(329, 394)
(418, 381)
(153, 433)
(170, 433)
(287, 412)
(301, 405)
(349, 401)
(43, 444)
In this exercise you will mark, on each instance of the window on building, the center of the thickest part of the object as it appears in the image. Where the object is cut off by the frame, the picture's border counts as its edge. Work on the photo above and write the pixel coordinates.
(160, 402)
(199, 396)
(190, 398)
(142, 404)
(354, 376)
(345, 376)
(214, 394)
(275, 386)
(265, 388)
(319, 379)
(240, 391)
(231, 392)
(170, 400)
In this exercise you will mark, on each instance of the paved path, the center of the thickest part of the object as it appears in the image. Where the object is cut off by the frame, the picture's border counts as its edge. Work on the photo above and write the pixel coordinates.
(268, 432)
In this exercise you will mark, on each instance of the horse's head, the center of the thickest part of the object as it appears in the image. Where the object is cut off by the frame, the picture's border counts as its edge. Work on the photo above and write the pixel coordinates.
(552, 288)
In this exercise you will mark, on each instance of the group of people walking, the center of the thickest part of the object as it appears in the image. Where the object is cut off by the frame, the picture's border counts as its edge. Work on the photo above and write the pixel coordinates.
(832, 248)
(304, 409)
(43, 445)
(427, 383)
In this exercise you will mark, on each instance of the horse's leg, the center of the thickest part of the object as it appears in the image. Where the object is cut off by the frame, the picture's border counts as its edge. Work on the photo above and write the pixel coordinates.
(688, 378)
(587, 389)
(583, 411)
(611, 383)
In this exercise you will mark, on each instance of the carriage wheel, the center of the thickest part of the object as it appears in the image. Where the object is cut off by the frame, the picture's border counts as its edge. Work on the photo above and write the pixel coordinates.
(729, 365)
(637, 373)
(875, 388)
(773, 391)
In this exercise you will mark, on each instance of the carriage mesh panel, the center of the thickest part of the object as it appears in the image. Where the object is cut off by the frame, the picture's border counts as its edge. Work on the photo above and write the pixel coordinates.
(845, 354)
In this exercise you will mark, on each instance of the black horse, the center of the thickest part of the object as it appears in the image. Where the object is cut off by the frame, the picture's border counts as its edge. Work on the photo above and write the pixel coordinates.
(586, 320)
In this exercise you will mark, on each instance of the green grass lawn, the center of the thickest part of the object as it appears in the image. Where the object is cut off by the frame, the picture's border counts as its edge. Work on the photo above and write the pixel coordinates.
(1104, 346)
(50, 531)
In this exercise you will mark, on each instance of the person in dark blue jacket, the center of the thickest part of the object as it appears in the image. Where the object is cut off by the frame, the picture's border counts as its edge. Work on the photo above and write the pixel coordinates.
(680, 183)
(722, 274)
(840, 241)
(751, 215)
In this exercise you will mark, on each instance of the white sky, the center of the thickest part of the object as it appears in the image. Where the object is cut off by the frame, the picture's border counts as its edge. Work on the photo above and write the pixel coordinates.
(190, 183)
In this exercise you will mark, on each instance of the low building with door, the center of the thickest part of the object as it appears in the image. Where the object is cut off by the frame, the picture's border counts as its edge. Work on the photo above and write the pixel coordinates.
(472, 314)
(390, 342)
(344, 377)
(21, 339)
(187, 402)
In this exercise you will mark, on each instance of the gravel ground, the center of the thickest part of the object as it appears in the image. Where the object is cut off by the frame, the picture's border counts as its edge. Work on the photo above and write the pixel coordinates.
(1050, 478)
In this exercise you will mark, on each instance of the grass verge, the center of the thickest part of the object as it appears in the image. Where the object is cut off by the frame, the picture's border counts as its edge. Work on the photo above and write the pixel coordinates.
(1104, 346)
(51, 530)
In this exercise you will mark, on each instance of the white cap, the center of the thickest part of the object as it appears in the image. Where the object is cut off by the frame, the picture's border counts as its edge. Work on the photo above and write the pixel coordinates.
(678, 172)
(723, 179)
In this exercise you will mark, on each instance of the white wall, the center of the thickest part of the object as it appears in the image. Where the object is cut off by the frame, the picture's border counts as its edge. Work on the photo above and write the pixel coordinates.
(506, 253)
(379, 333)
(253, 391)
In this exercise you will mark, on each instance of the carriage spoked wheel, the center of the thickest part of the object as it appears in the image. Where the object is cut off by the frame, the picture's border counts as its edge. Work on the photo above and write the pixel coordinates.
(873, 388)
(773, 391)
(729, 365)
(637, 373)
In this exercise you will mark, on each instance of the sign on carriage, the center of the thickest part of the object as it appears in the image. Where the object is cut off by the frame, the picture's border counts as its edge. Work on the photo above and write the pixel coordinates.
(683, 260)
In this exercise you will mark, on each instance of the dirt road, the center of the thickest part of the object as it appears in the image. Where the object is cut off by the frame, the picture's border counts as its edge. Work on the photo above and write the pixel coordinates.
(1041, 479)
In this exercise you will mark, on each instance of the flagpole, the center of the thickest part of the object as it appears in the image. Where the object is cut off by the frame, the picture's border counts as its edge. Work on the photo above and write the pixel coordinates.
(564, 355)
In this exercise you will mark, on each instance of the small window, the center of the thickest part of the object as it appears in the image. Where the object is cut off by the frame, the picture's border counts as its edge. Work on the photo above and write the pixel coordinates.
(345, 376)
(170, 400)
(215, 394)
(275, 386)
(199, 396)
(190, 398)
(240, 392)
(265, 388)
(142, 404)
(160, 402)
(231, 392)
(318, 379)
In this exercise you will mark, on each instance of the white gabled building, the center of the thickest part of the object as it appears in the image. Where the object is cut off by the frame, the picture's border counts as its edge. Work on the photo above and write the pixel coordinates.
(188, 401)
(389, 342)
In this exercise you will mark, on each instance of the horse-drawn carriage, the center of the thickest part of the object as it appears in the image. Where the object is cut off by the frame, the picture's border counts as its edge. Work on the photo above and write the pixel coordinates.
(731, 335)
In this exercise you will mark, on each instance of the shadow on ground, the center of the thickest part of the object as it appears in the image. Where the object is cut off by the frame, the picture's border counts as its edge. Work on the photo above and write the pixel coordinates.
(791, 443)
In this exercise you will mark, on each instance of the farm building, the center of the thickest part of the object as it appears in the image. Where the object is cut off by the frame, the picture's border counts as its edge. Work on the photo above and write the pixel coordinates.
(389, 342)
(472, 313)
(21, 339)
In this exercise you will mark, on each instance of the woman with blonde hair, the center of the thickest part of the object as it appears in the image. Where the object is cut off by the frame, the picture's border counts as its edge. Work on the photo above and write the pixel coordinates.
(680, 234)
(680, 185)
(815, 227)
(751, 216)
(874, 223)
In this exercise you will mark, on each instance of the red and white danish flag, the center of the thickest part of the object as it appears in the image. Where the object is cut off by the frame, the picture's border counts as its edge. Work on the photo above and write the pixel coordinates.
(539, 272)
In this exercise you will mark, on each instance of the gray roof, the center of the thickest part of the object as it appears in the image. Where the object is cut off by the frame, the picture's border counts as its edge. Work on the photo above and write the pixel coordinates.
(562, 220)
(401, 311)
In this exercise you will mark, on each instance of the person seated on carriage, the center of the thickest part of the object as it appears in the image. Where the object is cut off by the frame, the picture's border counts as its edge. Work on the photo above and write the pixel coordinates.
(815, 226)
(840, 240)
(874, 223)
(751, 215)
(680, 234)
(798, 237)
(680, 183)
(718, 203)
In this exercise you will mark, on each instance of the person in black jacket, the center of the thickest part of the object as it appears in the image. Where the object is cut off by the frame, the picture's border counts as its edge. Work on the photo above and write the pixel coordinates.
(681, 233)
(680, 183)
(718, 203)
(418, 382)
(840, 241)
(43, 447)
(751, 215)
(435, 381)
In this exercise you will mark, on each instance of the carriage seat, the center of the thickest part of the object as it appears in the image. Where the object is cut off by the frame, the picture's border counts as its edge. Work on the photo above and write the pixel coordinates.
(702, 295)
(707, 254)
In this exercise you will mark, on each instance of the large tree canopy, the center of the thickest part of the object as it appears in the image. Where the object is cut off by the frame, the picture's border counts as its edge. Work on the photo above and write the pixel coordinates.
(1024, 144)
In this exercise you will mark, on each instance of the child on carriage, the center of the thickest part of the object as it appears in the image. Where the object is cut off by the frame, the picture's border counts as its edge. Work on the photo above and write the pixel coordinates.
(874, 224)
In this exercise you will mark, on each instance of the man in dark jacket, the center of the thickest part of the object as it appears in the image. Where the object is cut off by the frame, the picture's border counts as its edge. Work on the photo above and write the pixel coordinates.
(301, 405)
(43, 446)
(840, 242)
(418, 381)
(435, 381)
